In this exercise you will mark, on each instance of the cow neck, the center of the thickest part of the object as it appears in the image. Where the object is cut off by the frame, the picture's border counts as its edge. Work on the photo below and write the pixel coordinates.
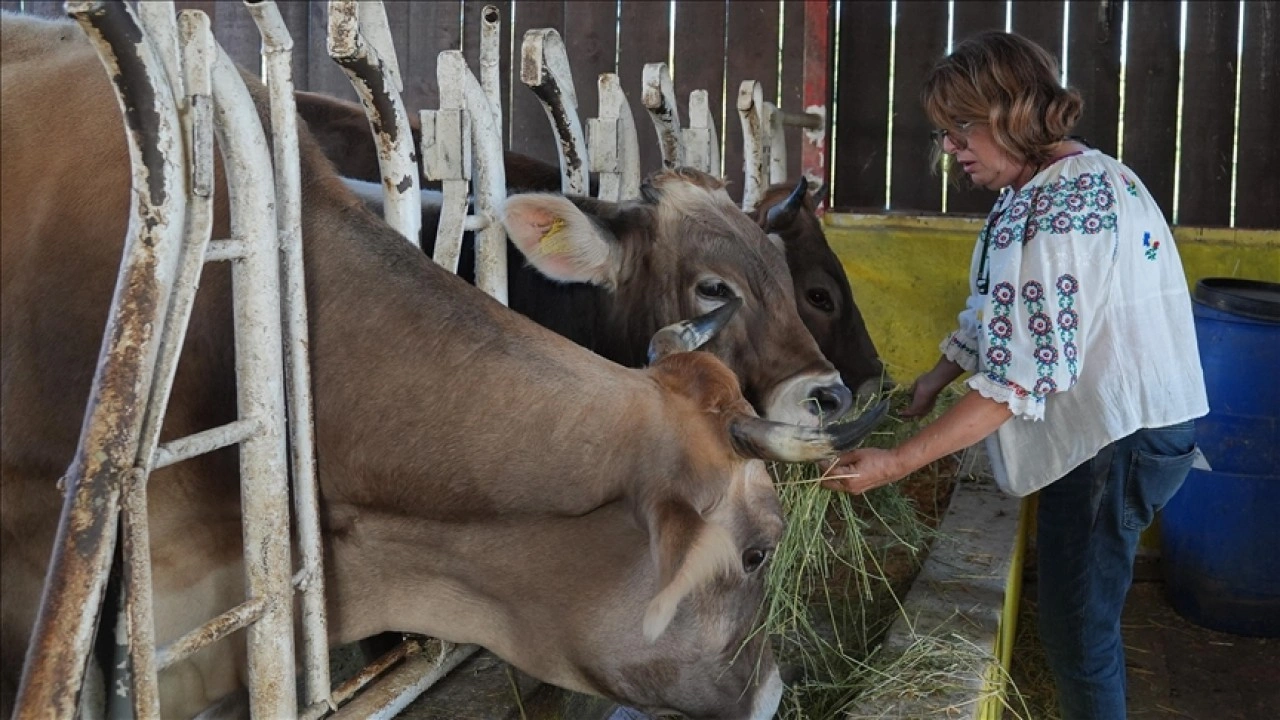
(426, 384)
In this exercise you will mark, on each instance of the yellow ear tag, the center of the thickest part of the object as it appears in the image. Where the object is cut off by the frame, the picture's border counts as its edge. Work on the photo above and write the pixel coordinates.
(554, 241)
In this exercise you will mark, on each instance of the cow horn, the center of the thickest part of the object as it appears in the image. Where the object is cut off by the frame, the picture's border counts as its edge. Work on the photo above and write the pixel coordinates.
(691, 334)
(757, 438)
(784, 212)
(819, 196)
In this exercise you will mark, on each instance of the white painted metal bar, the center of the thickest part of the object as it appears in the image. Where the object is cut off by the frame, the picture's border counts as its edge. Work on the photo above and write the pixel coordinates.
(277, 48)
(777, 145)
(225, 249)
(446, 156)
(203, 442)
(237, 618)
(490, 55)
(406, 682)
(755, 143)
(701, 142)
(110, 440)
(460, 88)
(611, 139)
(360, 42)
(659, 97)
(544, 67)
(260, 391)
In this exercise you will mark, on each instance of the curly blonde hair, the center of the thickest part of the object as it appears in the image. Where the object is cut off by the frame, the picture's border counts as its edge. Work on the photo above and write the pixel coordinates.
(1008, 83)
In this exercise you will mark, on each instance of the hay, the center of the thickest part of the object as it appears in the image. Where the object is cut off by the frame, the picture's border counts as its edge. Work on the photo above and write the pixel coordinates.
(835, 580)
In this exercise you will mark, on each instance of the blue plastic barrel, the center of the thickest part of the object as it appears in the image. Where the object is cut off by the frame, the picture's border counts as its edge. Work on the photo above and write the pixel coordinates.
(1220, 535)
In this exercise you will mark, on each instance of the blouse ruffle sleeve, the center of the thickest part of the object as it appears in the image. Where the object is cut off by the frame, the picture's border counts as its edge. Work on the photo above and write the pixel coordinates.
(961, 346)
(1049, 259)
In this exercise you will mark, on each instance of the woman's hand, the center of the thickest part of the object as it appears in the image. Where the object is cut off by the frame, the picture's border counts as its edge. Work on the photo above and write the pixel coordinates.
(926, 388)
(865, 469)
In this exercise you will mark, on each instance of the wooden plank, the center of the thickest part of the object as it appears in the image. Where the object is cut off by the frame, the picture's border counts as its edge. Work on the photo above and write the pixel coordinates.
(861, 106)
(921, 40)
(235, 30)
(471, 10)
(1209, 95)
(530, 132)
(1151, 96)
(791, 98)
(1041, 23)
(970, 19)
(973, 17)
(699, 51)
(433, 27)
(752, 30)
(323, 74)
(645, 29)
(590, 35)
(1093, 68)
(1257, 181)
(44, 8)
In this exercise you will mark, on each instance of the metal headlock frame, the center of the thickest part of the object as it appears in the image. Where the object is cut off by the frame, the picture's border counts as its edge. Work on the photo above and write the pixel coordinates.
(174, 64)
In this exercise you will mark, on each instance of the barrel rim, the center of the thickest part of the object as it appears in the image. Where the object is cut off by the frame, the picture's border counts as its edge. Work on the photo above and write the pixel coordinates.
(1229, 296)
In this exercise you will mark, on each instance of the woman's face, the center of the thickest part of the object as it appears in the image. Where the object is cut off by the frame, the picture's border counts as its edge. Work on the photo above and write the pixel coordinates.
(986, 164)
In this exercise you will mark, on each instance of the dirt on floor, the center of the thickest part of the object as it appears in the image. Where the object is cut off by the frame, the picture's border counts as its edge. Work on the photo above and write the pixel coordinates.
(1176, 670)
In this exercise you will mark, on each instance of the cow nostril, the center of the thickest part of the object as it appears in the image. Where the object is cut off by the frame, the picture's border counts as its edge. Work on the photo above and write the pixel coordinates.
(831, 401)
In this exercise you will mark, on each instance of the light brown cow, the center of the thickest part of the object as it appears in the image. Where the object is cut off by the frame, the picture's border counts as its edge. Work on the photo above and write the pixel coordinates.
(669, 267)
(482, 479)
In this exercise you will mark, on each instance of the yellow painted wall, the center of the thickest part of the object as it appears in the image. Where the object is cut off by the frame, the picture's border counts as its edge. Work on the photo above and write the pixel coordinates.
(910, 274)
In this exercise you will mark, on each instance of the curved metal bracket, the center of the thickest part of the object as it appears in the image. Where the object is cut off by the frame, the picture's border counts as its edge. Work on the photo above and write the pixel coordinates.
(360, 42)
(544, 67)
(614, 149)
(755, 143)
(702, 144)
(659, 97)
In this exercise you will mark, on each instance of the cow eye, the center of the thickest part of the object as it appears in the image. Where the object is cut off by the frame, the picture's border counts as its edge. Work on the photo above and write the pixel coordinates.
(753, 558)
(715, 289)
(820, 299)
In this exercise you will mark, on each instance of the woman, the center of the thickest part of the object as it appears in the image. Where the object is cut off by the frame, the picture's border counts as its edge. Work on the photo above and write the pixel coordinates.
(1079, 333)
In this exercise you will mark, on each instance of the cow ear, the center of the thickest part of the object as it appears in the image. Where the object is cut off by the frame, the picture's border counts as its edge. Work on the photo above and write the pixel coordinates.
(560, 240)
(689, 552)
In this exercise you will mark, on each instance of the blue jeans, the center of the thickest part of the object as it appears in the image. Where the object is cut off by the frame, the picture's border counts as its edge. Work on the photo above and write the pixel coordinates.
(1088, 525)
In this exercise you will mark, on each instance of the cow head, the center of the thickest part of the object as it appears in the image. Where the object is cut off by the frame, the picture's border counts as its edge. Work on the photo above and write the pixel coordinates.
(823, 297)
(681, 251)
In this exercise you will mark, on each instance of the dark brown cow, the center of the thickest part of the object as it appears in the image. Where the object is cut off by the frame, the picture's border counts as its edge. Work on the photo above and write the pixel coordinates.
(820, 287)
(467, 457)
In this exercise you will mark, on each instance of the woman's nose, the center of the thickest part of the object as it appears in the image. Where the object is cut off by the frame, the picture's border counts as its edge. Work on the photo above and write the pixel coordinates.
(948, 145)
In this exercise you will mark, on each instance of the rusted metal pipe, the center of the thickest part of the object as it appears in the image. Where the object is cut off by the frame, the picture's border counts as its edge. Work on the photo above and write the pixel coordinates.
(211, 632)
(264, 483)
(277, 48)
(490, 55)
(110, 437)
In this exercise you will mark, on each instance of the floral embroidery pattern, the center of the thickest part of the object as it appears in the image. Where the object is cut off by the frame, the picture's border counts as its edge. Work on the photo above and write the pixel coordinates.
(1085, 203)
(1041, 327)
(1068, 320)
(1151, 247)
(1000, 330)
(1129, 185)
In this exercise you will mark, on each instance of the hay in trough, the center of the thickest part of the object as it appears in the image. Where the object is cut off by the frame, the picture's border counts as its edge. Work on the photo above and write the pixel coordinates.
(835, 581)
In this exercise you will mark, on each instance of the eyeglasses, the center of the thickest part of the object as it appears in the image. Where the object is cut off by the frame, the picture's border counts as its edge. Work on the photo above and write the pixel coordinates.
(959, 139)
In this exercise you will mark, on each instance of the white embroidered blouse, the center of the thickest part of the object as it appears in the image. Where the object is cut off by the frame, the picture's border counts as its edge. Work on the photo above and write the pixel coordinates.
(1079, 317)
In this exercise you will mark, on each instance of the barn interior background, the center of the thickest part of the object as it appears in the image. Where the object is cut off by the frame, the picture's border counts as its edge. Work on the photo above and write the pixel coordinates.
(1184, 93)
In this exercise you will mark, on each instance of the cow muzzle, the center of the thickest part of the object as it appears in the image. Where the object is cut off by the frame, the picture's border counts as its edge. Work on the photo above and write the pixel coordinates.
(809, 400)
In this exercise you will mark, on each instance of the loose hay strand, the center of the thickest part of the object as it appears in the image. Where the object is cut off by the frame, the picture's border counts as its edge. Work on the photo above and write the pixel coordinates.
(830, 585)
